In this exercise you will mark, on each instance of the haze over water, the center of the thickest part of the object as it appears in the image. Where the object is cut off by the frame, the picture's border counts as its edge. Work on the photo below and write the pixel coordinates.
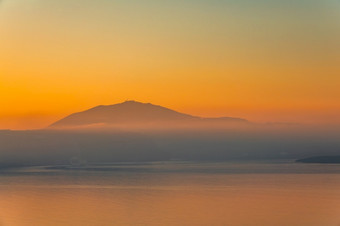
(230, 95)
(172, 193)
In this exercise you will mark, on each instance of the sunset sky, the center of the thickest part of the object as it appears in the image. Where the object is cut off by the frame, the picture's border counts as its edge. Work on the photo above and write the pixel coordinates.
(264, 60)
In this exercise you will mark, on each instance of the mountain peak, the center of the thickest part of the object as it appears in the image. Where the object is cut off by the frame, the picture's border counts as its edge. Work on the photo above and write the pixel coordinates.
(132, 102)
(125, 103)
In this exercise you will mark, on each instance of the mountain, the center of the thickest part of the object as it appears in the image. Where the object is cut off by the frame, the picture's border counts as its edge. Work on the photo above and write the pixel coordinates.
(131, 113)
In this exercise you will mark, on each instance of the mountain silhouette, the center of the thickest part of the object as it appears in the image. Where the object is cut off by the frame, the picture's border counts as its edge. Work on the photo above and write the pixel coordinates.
(135, 113)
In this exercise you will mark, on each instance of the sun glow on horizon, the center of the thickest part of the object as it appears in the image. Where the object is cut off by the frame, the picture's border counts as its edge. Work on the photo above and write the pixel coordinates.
(259, 60)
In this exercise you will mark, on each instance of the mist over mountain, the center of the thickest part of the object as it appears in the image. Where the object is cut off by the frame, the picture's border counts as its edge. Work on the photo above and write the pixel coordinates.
(215, 140)
(131, 113)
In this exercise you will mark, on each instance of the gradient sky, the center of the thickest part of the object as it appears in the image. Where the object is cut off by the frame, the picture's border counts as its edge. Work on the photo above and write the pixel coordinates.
(264, 60)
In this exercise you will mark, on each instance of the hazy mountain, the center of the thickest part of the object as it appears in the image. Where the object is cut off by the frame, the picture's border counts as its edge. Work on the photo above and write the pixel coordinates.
(136, 113)
(251, 142)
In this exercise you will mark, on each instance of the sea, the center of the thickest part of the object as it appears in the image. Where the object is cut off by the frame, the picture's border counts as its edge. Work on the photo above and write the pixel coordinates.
(172, 193)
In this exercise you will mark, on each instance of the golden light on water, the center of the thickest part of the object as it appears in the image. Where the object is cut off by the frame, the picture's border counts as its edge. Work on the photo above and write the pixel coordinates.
(230, 200)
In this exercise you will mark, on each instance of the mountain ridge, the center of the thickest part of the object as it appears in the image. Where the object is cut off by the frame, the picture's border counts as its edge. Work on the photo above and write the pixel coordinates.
(133, 112)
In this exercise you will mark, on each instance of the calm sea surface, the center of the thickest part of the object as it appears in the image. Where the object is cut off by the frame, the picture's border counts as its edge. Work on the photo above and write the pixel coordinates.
(172, 193)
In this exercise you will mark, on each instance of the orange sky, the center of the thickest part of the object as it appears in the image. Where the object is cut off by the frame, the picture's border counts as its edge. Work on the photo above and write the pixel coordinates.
(264, 62)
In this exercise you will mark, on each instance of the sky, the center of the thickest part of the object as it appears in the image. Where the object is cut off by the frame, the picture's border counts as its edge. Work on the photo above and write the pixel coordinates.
(264, 60)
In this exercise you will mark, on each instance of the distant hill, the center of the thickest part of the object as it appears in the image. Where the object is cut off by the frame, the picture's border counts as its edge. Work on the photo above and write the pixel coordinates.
(136, 113)
(321, 159)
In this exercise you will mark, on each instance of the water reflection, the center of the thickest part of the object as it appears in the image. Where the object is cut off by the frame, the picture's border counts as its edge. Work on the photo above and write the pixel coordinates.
(173, 194)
